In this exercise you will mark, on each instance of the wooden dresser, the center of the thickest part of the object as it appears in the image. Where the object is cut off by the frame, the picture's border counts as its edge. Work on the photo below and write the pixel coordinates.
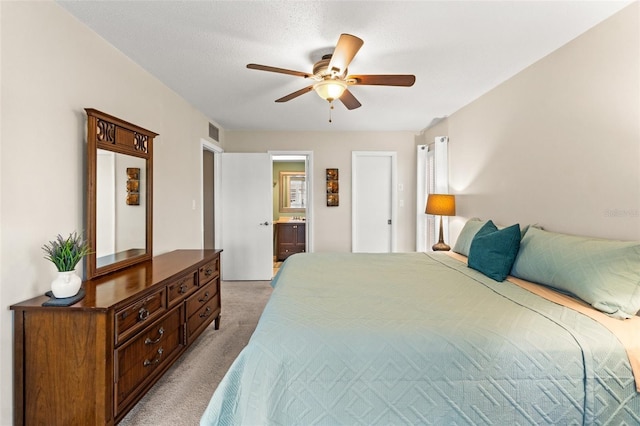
(290, 239)
(89, 363)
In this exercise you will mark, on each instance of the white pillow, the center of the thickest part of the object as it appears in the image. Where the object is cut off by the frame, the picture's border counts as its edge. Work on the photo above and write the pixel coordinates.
(463, 243)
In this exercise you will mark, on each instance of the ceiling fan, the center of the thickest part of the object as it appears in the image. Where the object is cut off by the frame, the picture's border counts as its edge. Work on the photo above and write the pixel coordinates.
(331, 75)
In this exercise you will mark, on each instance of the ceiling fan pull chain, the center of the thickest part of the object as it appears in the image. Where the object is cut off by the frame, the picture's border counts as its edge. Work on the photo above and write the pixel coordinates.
(330, 108)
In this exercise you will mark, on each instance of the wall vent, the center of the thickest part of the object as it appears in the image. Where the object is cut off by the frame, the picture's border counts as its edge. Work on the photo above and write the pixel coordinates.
(214, 132)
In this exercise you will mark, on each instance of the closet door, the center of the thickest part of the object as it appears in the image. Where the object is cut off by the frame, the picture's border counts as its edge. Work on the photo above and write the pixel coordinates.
(373, 197)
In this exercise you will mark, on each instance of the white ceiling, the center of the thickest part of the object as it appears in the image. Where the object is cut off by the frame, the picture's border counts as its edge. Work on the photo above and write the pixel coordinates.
(457, 50)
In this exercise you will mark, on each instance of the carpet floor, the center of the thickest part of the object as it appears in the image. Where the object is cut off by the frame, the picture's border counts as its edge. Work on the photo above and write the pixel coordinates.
(182, 394)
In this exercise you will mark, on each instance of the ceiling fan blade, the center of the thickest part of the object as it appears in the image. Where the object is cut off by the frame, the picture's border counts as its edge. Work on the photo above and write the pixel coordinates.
(347, 47)
(349, 100)
(295, 94)
(404, 80)
(278, 70)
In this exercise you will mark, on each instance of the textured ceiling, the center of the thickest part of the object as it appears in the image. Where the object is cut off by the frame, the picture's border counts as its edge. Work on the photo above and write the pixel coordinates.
(458, 50)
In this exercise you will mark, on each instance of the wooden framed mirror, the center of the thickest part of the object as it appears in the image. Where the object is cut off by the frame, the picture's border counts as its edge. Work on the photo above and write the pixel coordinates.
(119, 208)
(293, 192)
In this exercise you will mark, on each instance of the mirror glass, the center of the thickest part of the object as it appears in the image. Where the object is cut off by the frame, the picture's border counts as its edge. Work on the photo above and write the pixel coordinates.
(293, 192)
(121, 207)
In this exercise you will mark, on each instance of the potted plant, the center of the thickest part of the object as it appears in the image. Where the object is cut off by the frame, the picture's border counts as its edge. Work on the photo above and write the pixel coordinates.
(65, 253)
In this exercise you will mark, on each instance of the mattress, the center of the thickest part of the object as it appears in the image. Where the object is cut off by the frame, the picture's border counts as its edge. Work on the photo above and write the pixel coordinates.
(420, 338)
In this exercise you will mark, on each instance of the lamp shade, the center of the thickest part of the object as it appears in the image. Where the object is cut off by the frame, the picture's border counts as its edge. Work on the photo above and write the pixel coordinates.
(330, 89)
(441, 205)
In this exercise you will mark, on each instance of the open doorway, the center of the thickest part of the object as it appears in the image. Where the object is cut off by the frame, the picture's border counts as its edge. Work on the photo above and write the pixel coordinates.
(210, 194)
(208, 200)
(249, 241)
(291, 204)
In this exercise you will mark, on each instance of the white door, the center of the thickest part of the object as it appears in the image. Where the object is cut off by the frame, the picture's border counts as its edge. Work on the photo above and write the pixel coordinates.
(247, 230)
(373, 198)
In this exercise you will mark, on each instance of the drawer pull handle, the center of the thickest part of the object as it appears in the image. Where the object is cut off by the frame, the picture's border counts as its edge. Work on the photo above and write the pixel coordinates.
(148, 340)
(206, 312)
(208, 271)
(183, 288)
(204, 298)
(143, 314)
(156, 360)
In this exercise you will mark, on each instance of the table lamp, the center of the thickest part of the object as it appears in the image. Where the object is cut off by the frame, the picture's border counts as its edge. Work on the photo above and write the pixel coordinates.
(442, 205)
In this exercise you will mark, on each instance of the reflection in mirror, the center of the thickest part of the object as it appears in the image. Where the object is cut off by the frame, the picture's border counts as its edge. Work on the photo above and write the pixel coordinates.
(293, 192)
(120, 225)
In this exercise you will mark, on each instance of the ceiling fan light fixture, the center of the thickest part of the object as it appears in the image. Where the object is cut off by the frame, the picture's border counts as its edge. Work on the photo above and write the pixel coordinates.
(330, 89)
(331, 75)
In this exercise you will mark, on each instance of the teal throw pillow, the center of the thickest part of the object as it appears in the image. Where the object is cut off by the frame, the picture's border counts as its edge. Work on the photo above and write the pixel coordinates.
(494, 250)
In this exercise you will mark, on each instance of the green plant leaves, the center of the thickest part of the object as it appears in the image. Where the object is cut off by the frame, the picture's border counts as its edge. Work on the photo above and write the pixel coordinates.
(65, 253)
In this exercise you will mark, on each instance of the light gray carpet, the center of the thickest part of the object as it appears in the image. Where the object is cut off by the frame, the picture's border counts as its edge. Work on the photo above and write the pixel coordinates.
(182, 394)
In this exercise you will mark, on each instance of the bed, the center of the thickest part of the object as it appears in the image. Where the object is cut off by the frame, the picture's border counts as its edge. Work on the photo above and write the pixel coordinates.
(422, 338)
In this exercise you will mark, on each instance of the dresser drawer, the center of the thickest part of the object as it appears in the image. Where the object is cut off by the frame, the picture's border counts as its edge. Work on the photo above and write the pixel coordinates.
(202, 297)
(140, 359)
(288, 250)
(202, 317)
(209, 271)
(180, 288)
(139, 314)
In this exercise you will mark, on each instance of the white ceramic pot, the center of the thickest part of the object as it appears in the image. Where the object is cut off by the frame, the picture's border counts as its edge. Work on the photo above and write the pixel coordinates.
(67, 284)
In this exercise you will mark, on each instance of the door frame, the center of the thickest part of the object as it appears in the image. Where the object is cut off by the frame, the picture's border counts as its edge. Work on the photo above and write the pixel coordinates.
(309, 179)
(205, 145)
(393, 155)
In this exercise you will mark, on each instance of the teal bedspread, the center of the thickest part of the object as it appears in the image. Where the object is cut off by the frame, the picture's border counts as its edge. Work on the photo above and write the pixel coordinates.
(416, 338)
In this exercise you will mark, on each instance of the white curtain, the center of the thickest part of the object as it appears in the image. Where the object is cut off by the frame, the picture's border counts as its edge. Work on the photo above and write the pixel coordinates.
(433, 178)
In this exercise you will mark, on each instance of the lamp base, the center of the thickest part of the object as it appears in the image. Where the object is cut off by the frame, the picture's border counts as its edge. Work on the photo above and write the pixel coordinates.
(440, 246)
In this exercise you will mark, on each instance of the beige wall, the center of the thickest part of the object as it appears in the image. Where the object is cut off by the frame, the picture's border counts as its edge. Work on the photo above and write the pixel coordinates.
(559, 143)
(332, 225)
(52, 68)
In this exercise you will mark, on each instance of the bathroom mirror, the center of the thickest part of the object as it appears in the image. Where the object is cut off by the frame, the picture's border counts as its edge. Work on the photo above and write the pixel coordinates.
(293, 192)
(119, 193)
